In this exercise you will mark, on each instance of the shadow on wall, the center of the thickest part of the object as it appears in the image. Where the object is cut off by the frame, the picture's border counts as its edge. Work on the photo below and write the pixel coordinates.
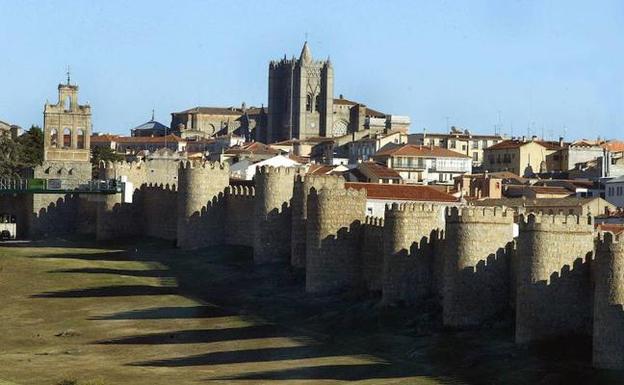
(273, 235)
(561, 306)
(205, 227)
(53, 215)
(335, 264)
(479, 295)
(410, 276)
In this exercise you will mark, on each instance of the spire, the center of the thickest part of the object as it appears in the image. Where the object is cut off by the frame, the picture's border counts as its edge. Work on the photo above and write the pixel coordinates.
(306, 55)
(68, 75)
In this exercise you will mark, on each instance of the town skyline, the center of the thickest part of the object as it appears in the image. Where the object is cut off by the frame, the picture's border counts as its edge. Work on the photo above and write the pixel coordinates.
(536, 95)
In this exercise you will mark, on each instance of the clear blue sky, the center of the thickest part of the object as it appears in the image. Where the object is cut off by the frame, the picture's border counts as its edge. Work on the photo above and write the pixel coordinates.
(544, 64)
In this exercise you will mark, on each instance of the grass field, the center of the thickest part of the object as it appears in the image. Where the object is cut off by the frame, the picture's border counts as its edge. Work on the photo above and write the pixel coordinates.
(146, 313)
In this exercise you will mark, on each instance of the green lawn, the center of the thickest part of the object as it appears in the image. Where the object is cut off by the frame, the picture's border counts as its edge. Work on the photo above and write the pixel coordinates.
(146, 313)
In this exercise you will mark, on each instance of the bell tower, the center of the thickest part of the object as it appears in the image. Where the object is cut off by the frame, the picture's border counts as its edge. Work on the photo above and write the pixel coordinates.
(66, 127)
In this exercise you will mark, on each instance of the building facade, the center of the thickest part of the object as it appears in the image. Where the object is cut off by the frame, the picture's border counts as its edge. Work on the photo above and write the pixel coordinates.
(523, 157)
(425, 164)
(460, 141)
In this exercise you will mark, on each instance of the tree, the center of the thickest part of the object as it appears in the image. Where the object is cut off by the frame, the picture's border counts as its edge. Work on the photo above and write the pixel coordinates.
(103, 154)
(31, 147)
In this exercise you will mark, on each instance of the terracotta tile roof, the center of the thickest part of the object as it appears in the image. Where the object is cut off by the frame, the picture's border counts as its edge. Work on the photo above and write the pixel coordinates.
(379, 170)
(149, 139)
(369, 111)
(611, 227)
(235, 111)
(402, 192)
(103, 138)
(319, 169)
(515, 143)
(614, 146)
(420, 151)
(253, 148)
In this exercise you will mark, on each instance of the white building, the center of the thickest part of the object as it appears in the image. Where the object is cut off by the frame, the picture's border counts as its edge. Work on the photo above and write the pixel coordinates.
(246, 168)
(614, 191)
(425, 164)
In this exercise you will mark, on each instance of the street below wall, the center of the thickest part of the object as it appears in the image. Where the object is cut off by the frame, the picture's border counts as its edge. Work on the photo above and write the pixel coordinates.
(143, 312)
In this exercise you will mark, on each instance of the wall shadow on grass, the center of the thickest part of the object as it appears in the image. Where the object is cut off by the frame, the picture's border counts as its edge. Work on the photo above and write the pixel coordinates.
(201, 336)
(156, 273)
(110, 291)
(173, 312)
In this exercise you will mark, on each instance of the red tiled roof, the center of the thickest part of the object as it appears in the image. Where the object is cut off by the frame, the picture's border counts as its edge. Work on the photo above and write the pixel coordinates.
(379, 170)
(319, 169)
(514, 143)
(614, 146)
(422, 151)
(401, 192)
(611, 227)
(103, 138)
(149, 139)
(252, 148)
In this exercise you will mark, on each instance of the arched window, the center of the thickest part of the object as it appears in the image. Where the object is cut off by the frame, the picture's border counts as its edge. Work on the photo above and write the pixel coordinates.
(67, 103)
(309, 103)
(54, 138)
(80, 139)
(67, 139)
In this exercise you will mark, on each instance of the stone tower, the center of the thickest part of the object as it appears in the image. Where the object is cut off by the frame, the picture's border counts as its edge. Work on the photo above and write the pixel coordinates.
(608, 343)
(66, 127)
(272, 214)
(301, 95)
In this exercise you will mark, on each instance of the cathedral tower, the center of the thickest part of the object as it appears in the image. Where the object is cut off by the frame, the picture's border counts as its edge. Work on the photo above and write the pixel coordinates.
(301, 95)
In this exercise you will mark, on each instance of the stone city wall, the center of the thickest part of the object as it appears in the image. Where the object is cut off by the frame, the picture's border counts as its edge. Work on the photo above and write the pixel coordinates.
(239, 224)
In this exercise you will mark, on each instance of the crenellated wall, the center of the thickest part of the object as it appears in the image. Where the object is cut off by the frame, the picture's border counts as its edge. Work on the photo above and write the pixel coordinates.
(464, 259)
(410, 232)
(301, 189)
(239, 225)
(201, 204)
(160, 210)
(272, 214)
(608, 328)
(372, 253)
(334, 221)
(476, 279)
(553, 296)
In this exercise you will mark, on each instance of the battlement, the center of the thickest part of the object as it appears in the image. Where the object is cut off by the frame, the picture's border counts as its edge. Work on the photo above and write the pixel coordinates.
(241, 191)
(415, 209)
(321, 180)
(203, 165)
(325, 194)
(121, 165)
(500, 214)
(271, 170)
(161, 186)
(374, 221)
(556, 222)
(606, 240)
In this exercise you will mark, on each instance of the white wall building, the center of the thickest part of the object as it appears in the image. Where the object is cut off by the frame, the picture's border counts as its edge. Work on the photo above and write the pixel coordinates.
(614, 191)
(246, 168)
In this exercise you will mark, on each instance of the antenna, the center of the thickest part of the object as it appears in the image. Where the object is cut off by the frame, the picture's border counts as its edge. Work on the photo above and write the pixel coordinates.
(68, 75)
(152, 115)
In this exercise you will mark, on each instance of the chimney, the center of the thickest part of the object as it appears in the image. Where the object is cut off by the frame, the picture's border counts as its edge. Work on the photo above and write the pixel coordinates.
(523, 138)
(561, 141)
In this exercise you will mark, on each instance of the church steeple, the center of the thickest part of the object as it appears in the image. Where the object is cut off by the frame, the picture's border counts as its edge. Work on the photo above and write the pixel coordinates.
(306, 55)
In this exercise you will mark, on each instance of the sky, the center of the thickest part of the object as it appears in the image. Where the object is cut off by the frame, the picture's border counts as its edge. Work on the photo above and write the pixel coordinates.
(546, 68)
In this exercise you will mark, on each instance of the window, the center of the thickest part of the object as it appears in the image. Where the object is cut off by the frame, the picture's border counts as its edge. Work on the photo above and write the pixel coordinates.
(475, 144)
(80, 139)
(484, 144)
(463, 147)
(452, 144)
(67, 104)
(475, 156)
(54, 138)
(309, 103)
(67, 139)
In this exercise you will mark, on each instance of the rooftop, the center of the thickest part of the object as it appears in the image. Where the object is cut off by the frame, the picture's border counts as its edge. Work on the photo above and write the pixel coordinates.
(401, 192)
(517, 143)
(420, 151)
(379, 170)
